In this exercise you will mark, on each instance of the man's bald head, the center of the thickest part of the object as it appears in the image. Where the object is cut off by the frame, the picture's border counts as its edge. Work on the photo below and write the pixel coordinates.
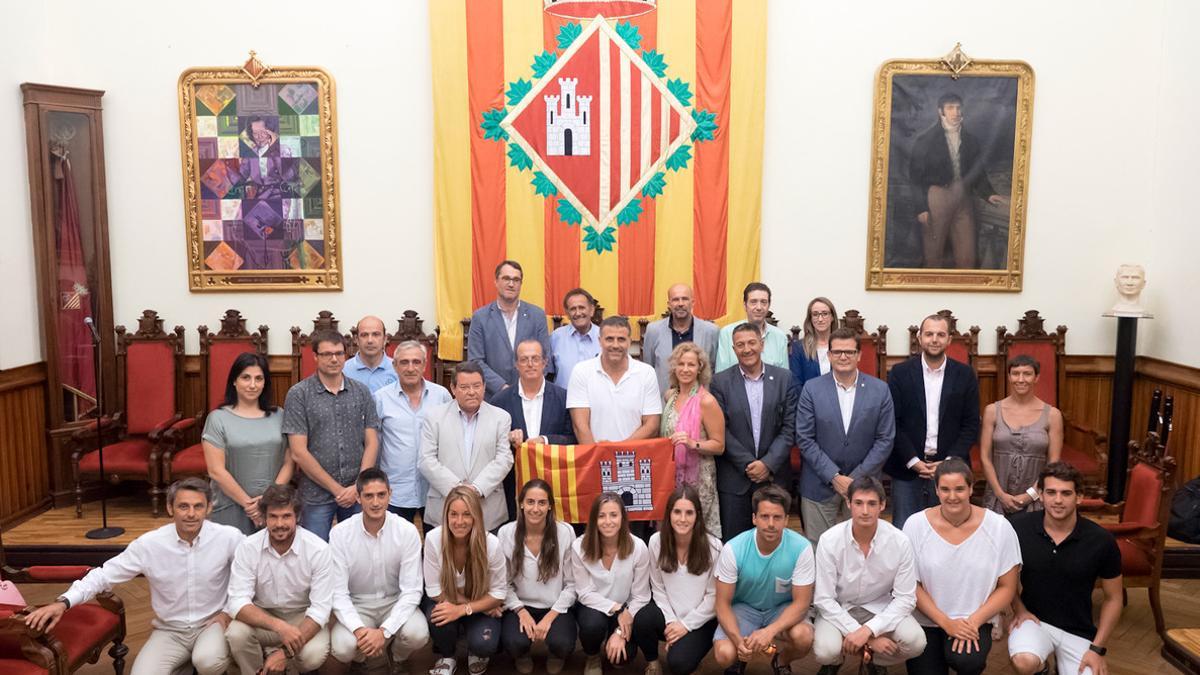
(679, 302)
(371, 338)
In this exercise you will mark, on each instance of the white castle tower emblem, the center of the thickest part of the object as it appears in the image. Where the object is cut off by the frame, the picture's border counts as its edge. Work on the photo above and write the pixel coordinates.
(637, 493)
(568, 130)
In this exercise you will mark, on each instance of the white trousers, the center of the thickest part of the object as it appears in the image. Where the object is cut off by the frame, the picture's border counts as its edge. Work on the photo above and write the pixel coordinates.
(167, 650)
(413, 633)
(246, 643)
(1040, 639)
(827, 640)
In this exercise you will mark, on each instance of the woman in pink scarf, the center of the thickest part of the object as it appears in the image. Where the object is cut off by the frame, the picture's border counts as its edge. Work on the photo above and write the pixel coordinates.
(695, 424)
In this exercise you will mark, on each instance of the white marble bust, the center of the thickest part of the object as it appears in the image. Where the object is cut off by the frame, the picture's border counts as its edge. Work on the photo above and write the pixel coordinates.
(1129, 281)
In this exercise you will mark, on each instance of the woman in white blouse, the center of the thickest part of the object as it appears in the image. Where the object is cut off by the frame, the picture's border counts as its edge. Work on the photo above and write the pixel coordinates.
(683, 557)
(541, 589)
(968, 560)
(465, 581)
(612, 578)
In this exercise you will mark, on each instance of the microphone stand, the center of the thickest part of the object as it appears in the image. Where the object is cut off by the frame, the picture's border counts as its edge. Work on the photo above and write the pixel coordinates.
(104, 531)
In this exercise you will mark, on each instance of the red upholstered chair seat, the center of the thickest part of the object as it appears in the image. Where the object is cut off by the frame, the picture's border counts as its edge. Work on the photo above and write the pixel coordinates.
(12, 662)
(1135, 561)
(82, 628)
(10, 666)
(1086, 463)
(131, 456)
(49, 574)
(189, 461)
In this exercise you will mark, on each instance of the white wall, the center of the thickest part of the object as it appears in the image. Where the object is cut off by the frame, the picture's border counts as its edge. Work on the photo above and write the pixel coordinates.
(1097, 65)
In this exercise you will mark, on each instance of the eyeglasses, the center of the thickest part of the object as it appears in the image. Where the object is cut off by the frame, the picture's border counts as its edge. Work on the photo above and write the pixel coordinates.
(529, 359)
(331, 355)
(843, 352)
(510, 280)
(822, 315)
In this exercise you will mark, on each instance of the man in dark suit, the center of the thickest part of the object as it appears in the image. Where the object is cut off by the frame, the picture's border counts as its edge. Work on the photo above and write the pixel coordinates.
(844, 427)
(497, 328)
(937, 416)
(547, 420)
(759, 402)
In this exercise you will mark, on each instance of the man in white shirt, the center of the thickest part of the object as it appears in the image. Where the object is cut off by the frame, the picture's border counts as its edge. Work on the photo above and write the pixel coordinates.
(613, 397)
(280, 592)
(187, 565)
(378, 583)
(866, 588)
(577, 341)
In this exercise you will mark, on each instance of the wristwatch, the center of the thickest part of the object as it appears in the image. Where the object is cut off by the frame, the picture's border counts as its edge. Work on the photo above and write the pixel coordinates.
(1098, 649)
(1033, 495)
(63, 599)
(470, 609)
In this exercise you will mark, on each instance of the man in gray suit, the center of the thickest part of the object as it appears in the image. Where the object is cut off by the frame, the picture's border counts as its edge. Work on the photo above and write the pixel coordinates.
(664, 335)
(845, 425)
(465, 442)
(497, 328)
(759, 402)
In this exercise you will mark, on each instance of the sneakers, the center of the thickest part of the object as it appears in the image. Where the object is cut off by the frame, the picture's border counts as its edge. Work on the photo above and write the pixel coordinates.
(654, 668)
(524, 665)
(780, 668)
(554, 665)
(443, 667)
(477, 665)
(594, 666)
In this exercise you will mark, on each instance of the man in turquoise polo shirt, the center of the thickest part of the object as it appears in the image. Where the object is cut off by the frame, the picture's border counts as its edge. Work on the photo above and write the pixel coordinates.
(764, 589)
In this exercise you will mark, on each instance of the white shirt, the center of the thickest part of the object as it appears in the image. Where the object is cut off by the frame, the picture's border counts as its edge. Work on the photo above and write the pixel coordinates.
(532, 407)
(381, 567)
(616, 409)
(187, 581)
(626, 583)
(510, 323)
(497, 568)
(682, 596)
(823, 359)
(846, 400)
(469, 424)
(960, 578)
(883, 582)
(301, 578)
(934, 378)
(803, 574)
(525, 590)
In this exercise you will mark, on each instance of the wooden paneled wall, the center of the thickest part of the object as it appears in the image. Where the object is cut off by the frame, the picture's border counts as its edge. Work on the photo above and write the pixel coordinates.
(1182, 382)
(24, 457)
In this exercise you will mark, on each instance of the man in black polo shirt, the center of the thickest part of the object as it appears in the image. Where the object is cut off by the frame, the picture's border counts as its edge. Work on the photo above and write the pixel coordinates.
(1062, 556)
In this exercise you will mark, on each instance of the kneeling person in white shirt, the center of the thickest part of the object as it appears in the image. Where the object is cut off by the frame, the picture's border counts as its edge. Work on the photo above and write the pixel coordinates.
(187, 565)
(378, 583)
(866, 587)
(280, 591)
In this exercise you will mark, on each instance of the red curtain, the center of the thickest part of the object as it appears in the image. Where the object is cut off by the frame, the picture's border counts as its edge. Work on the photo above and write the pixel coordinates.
(76, 367)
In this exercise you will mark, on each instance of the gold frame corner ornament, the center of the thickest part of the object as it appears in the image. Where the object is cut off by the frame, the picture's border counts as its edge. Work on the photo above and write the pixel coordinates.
(956, 64)
(255, 73)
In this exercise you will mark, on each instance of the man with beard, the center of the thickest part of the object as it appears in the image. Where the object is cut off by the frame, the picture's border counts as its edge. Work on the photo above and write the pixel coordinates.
(663, 336)
(614, 397)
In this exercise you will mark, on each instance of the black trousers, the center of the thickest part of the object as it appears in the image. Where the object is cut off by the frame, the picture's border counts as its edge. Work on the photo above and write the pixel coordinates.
(407, 513)
(736, 513)
(560, 639)
(594, 629)
(685, 655)
(482, 632)
(939, 657)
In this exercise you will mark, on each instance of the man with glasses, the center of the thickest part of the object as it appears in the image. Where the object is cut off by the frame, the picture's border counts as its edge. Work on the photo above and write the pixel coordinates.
(333, 434)
(844, 427)
(497, 328)
(369, 364)
(402, 406)
(757, 299)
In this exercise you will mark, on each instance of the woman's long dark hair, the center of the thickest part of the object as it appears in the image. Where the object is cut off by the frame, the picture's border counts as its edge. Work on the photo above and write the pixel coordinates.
(593, 547)
(241, 363)
(699, 555)
(548, 558)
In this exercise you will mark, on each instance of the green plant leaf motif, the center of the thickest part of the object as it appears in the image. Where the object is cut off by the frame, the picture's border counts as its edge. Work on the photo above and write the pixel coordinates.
(491, 125)
(656, 62)
(518, 158)
(630, 212)
(517, 90)
(567, 34)
(680, 158)
(706, 125)
(542, 63)
(655, 185)
(680, 90)
(630, 34)
(542, 185)
(599, 241)
(568, 213)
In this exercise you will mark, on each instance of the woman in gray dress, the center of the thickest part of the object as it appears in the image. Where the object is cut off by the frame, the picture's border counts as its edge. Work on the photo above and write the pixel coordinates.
(1020, 435)
(244, 445)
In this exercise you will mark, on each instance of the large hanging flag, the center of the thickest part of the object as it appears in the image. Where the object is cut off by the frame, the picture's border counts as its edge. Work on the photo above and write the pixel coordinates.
(613, 145)
(642, 473)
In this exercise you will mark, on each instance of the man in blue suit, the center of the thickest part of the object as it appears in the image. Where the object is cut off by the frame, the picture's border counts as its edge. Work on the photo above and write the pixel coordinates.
(845, 426)
(538, 409)
(497, 328)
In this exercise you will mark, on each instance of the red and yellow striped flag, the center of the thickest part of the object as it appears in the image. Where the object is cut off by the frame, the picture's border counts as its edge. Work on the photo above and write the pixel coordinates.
(641, 472)
(674, 139)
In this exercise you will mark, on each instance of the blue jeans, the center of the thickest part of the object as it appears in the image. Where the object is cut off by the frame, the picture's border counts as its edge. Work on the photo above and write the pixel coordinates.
(318, 518)
(911, 496)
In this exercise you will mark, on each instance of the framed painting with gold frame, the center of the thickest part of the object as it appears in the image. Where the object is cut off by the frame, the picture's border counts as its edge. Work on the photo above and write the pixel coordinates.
(949, 174)
(259, 149)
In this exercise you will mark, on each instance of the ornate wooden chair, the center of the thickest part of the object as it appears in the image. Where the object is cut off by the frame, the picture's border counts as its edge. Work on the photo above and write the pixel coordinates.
(964, 347)
(217, 354)
(304, 362)
(1141, 530)
(872, 345)
(1083, 447)
(149, 382)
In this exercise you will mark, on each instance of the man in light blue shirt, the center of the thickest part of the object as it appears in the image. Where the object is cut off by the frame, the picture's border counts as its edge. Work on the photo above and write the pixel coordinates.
(369, 364)
(402, 406)
(577, 341)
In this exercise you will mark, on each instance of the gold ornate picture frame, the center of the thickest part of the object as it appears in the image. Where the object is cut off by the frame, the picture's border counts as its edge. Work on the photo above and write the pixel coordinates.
(949, 174)
(259, 151)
